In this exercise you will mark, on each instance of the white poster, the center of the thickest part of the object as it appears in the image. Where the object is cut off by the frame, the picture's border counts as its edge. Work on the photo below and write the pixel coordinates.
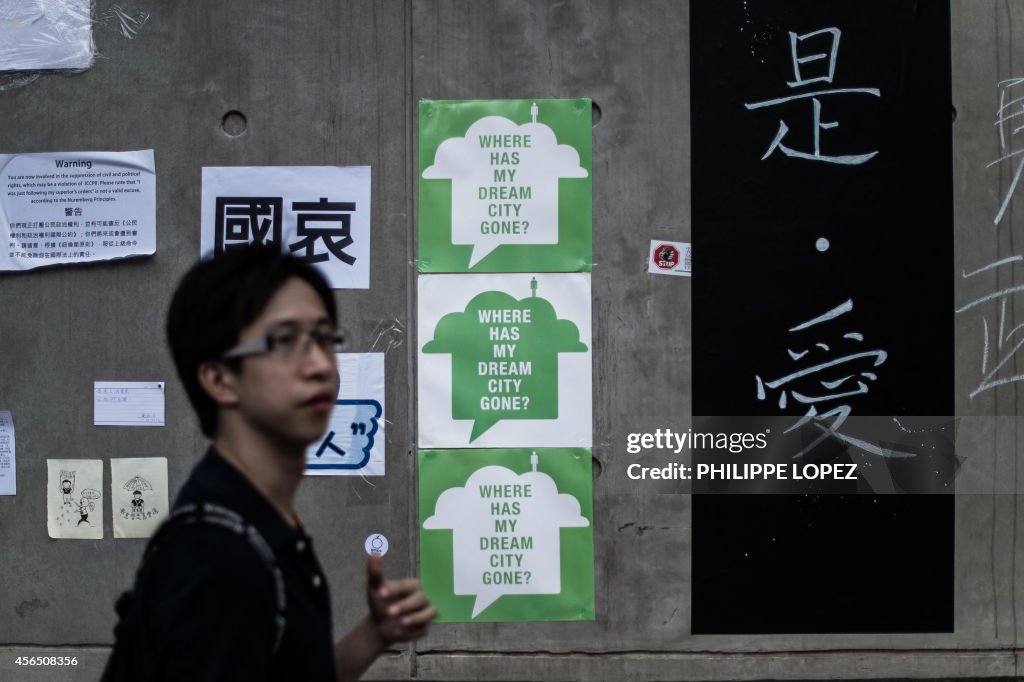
(74, 503)
(76, 207)
(45, 35)
(504, 531)
(138, 495)
(318, 213)
(354, 442)
(504, 360)
(128, 403)
(8, 461)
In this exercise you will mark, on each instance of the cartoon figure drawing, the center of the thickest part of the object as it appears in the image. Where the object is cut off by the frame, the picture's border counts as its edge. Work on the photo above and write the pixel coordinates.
(138, 505)
(86, 505)
(136, 508)
(67, 485)
(74, 503)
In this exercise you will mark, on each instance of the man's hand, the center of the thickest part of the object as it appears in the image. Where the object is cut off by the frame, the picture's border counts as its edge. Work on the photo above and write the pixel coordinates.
(399, 612)
(399, 608)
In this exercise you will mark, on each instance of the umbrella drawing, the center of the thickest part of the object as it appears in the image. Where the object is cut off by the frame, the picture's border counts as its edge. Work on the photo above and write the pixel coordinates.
(137, 483)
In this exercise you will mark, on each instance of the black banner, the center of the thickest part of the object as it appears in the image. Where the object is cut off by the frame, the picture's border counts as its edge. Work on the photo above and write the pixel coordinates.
(823, 289)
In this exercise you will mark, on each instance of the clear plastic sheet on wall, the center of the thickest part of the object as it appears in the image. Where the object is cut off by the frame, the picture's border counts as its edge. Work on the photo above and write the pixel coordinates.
(45, 34)
(125, 22)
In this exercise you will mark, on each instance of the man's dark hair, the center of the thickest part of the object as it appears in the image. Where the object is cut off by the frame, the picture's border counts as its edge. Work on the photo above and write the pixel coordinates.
(217, 299)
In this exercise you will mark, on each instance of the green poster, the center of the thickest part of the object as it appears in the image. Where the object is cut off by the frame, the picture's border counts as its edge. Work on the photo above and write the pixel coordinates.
(507, 535)
(505, 186)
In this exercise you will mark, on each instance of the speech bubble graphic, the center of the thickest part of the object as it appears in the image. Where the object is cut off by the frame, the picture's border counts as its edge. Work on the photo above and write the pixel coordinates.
(349, 438)
(504, 182)
(504, 357)
(506, 532)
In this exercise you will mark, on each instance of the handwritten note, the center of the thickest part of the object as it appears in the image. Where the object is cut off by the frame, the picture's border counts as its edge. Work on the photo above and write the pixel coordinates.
(128, 403)
(8, 473)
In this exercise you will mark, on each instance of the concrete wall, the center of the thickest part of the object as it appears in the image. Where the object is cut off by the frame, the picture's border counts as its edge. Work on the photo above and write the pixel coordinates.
(336, 83)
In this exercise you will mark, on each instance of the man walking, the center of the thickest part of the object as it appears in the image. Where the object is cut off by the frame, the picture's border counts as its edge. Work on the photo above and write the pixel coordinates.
(230, 588)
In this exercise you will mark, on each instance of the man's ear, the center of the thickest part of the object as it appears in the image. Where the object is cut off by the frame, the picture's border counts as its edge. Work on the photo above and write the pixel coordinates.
(218, 381)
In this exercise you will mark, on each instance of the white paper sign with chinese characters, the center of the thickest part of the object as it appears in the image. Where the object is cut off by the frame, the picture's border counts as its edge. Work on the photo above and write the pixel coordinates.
(74, 501)
(128, 403)
(76, 207)
(354, 442)
(669, 258)
(8, 466)
(320, 214)
(138, 495)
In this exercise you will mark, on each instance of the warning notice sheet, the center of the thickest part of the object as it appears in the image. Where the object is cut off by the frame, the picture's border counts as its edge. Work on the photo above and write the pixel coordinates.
(76, 207)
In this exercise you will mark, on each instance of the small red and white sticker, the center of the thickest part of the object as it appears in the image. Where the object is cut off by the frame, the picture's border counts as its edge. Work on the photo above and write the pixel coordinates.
(669, 258)
(666, 256)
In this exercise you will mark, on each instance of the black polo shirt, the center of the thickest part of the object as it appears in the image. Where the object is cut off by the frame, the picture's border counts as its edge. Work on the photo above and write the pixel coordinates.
(208, 601)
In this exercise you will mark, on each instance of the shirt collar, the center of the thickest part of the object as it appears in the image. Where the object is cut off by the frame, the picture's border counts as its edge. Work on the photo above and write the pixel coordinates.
(223, 484)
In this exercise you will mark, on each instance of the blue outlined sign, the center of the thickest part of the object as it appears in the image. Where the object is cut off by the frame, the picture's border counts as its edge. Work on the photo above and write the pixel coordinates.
(353, 444)
(349, 439)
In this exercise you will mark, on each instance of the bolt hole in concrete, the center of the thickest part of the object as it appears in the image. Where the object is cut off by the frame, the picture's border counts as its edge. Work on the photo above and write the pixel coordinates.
(954, 114)
(595, 114)
(234, 123)
(596, 467)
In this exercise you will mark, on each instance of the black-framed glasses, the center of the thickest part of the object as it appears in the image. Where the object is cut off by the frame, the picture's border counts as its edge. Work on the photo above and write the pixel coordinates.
(291, 343)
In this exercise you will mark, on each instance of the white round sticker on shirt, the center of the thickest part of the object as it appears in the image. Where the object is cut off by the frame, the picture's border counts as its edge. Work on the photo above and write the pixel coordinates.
(376, 545)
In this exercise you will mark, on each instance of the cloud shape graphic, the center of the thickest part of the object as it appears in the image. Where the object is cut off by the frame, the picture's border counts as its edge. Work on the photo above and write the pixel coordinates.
(458, 156)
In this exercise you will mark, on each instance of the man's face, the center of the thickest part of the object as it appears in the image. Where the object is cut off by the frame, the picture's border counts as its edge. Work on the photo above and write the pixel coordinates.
(288, 398)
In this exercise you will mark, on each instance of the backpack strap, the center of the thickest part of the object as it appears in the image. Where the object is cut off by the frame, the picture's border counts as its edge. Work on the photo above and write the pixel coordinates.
(122, 665)
(207, 514)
